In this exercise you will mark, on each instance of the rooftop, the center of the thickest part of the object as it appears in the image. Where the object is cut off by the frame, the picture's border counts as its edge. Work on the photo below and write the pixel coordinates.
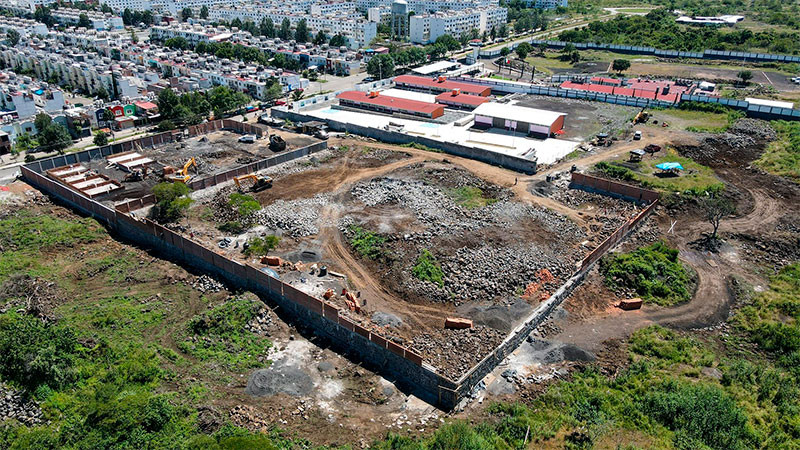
(520, 113)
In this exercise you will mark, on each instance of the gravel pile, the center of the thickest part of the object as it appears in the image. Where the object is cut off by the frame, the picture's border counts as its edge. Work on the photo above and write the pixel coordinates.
(453, 352)
(14, 405)
(298, 218)
(298, 165)
(206, 284)
(491, 271)
(261, 323)
(758, 129)
(429, 203)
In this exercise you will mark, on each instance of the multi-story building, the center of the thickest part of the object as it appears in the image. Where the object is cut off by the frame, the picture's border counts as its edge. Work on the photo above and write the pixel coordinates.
(99, 21)
(26, 28)
(547, 4)
(427, 6)
(425, 28)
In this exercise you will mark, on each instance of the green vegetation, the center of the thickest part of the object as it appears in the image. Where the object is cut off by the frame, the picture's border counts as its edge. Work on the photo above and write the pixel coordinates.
(428, 269)
(219, 335)
(782, 156)
(659, 29)
(172, 201)
(470, 197)
(366, 243)
(244, 206)
(260, 246)
(654, 272)
(696, 179)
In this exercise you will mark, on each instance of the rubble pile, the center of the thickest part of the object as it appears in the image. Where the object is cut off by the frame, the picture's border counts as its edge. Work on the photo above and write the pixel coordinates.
(29, 295)
(298, 218)
(14, 405)
(298, 165)
(261, 322)
(206, 284)
(454, 352)
(758, 129)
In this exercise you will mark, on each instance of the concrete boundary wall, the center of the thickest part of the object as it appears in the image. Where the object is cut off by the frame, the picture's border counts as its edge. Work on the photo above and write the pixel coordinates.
(386, 357)
(393, 137)
(611, 188)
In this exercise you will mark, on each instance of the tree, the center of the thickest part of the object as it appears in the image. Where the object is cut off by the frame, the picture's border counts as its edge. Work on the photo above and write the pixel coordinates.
(493, 33)
(301, 33)
(54, 137)
(102, 93)
(620, 65)
(104, 8)
(204, 12)
(171, 201)
(716, 208)
(381, 66)
(24, 143)
(285, 32)
(100, 139)
(449, 42)
(127, 17)
(178, 42)
(186, 14)
(745, 76)
(275, 91)
(505, 51)
(12, 36)
(41, 121)
(267, 28)
(523, 49)
(297, 95)
(320, 38)
(167, 102)
(83, 21)
(337, 41)
(134, 38)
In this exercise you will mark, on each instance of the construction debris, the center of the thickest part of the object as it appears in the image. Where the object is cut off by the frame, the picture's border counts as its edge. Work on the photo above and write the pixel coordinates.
(457, 323)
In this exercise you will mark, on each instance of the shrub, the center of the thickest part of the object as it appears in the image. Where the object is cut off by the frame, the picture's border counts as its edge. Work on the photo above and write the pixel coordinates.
(654, 272)
(366, 243)
(615, 171)
(232, 227)
(245, 205)
(35, 354)
(171, 201)
(665, 344)
(260, 246)
(428, 269)
(470, 197)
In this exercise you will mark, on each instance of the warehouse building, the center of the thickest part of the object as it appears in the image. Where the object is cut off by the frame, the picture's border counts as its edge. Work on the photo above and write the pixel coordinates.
(440, 85)
(519, 119)
(373, 101)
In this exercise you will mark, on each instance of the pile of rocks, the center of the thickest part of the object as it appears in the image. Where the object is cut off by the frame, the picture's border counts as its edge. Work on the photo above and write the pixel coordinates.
(206, 284)
(300, 164)
(14, 405)
(759, 129)
(454, 352)
(298, 218)
(261, 323)
(428, 203)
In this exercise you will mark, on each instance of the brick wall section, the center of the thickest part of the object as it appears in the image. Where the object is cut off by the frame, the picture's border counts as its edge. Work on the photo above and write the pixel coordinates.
(612, 188)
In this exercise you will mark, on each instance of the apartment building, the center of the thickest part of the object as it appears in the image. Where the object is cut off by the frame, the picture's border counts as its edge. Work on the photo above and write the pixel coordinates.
(99, 21)
(546, 4)
(26, 28)
(427, 6)
(425, 28)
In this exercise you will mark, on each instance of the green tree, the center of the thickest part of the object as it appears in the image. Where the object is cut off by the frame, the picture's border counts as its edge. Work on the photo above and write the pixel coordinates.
(297, 95)
(275, 91)
(172, 201)
(104, 8)
(745, 76)
(204, 12)
(505, 51)
(100, 139)
(134, 38)
(41, 121)
(381, 66)
(523, 50)
(51, 136)
(337, 41)
(102, 93)
(320, 38)
(178, 42)
(167, 101)
(301, 33)
(12, 36)
(83, 21)
(449, 42)
(127, 17)
(285, 32)
(267, 28)
(620, 65)
(25, 142)
(716, 208)
(186, 14)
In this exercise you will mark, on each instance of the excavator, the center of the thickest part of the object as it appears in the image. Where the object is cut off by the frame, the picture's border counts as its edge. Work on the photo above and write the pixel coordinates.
(642, 117)
(183, 175)
(259, 182)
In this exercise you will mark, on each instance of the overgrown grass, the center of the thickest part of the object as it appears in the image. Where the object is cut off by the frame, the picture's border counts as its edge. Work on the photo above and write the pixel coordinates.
(366, 243)
(470, 197)
(695, 180)
(654, 272)
(28, 232)
(428, 269)
(782, 157)
(260, 246)
(219, 336)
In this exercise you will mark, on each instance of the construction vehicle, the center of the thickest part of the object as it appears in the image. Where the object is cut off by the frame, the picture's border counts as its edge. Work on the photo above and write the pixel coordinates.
(259, 182)
(276, 143)
(136, 175)
(642, 117)
(637, 135)
(183, 175)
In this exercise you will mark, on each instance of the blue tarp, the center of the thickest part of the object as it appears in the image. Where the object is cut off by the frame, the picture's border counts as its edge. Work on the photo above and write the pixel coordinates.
(669, 166)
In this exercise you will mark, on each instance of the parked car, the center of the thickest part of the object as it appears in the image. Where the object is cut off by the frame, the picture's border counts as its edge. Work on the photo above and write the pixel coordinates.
(637, 135)
(369, 79)
(247, 139)
(279, 102)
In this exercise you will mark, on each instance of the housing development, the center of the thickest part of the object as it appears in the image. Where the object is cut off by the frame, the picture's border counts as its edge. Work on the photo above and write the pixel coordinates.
(399, 224)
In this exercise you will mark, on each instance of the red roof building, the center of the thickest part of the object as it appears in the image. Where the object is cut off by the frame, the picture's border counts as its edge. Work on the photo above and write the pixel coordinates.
(440, 84)
(391, 105)
(459, 100)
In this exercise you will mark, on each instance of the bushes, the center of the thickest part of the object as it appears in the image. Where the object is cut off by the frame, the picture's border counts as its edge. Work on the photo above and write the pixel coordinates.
(35, 354)
(654, 272)
(665, 344)
(171, 201)
(366, 243)
(259, 246)
(245, 205)
(470, 197)
(428, 269)
(615, 171)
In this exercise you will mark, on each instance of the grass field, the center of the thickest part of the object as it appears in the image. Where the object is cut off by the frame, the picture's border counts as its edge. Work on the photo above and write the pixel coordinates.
(691, 120)
(782, 157)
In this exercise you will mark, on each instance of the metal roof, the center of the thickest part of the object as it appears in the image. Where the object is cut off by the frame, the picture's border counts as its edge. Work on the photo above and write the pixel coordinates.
(390, 102)
(518, 113)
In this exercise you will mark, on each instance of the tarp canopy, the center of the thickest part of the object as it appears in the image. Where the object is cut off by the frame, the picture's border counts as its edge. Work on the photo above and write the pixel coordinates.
(669, 166)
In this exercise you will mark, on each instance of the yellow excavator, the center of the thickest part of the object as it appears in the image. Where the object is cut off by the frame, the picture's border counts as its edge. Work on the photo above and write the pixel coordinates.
(259, 182)
(183, 175)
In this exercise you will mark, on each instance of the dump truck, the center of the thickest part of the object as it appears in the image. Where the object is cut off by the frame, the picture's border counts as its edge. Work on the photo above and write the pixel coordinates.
(259, 182)
(276, 143)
